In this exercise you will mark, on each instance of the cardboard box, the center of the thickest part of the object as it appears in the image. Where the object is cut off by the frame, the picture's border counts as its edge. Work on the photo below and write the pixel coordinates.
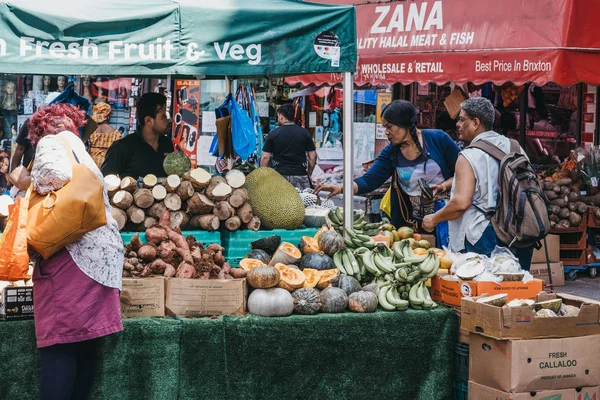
(452, 292)
(516, 366)
(521, 323)
(453, 101)
(16, 302)
(144, 297)
(539, 256)
(481, 392)
(199, 298)
(540, 271)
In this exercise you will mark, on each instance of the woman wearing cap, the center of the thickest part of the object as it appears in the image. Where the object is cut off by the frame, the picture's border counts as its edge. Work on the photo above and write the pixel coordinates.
(104, 136)
(414, 159)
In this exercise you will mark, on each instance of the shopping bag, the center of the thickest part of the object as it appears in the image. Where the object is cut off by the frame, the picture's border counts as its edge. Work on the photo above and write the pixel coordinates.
(386, 203)
(242, 132)
(14, 260)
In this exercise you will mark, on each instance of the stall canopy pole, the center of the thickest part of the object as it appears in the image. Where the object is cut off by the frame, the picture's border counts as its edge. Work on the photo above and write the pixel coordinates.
(348, 149)
(579, 113)
(523, 115)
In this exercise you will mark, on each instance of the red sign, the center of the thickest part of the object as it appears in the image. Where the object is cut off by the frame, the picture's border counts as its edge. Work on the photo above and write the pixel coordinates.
(474, 40)
(186, 118)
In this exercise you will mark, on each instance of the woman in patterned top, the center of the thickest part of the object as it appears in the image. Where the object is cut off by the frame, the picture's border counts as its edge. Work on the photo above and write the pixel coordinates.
(76, 293)
(104, 136)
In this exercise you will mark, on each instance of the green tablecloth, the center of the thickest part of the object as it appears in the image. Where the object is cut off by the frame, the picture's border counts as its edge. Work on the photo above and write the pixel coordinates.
(400, 355)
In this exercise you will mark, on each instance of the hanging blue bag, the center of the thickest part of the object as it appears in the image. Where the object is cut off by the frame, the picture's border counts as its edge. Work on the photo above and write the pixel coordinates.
(242, 132)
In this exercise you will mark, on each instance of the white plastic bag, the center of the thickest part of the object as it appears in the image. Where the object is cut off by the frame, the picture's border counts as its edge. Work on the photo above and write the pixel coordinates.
(503, 260)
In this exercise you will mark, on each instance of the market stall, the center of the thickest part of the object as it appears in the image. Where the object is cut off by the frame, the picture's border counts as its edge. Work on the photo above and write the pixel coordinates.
(234, 39)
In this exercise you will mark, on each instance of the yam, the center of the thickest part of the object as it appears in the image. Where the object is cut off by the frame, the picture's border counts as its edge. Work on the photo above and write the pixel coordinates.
(199, 204)
(198, 177)
(119, 216)
(128, 183)
(185, 190)
(122, 199)
(147, 252)
(245, 213)
(254, 224)
(218, 189)
(156, 210)
(547, 185)
(562, 203)
(159, 192)
(554, 217)
(136, 214)
(564, 213)
(582, 208)
(574, 196)
(223, 210)
(143, 198)
(233, 223)
(235, 178)
(238, 273)
(172, 183)
(574, 219)
(207, 222)
(564, 191)
(238, 197)
(149, 181)
(555, 209)
(173, 201)
(149, 222)
(564, 182)
(572, 206)
(550, 194)
(112, 183)
(556, 189)
(179, 219)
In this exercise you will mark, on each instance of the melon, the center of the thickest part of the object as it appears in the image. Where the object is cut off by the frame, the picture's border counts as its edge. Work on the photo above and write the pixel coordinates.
(511, 276)
(497, 300)
(520, 303)
(553, 305)
(568, 311)
(470, 270)
(545, 313)
(177, 164)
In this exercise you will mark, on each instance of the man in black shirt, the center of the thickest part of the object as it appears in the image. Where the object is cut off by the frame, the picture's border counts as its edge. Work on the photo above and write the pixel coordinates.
(288, 147)
(144, 151)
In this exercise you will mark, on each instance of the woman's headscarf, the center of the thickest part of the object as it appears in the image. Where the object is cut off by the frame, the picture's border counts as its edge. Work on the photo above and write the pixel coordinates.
(101, 112)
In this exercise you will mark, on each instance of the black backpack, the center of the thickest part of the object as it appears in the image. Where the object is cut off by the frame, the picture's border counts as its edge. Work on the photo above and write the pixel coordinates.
(520, 219)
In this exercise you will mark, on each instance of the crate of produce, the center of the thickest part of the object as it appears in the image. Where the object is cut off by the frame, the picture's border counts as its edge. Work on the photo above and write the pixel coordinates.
(583, 224)
(204, 237)
(237, 243)
(461, 362)
(573, 241)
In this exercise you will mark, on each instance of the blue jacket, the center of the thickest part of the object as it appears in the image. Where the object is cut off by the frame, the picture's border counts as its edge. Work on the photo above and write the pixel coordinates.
(440, 147)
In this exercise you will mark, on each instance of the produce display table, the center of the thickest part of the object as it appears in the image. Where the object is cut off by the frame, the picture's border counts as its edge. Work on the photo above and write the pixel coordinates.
(401, 355)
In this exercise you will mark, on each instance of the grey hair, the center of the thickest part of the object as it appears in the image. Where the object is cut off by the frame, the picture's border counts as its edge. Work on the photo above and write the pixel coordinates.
(480, 108)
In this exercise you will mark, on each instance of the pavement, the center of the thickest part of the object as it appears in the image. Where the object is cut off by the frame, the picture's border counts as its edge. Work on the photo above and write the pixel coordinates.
(583, 286)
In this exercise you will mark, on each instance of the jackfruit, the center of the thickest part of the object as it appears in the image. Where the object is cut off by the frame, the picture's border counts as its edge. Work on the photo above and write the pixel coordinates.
(274, 200)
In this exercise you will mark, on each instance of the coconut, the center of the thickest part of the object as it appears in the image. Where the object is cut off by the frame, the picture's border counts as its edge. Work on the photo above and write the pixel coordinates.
(568, 311)
(545, 313)
(470, 270)
(553, 305)
(497, 300)
(511, 276)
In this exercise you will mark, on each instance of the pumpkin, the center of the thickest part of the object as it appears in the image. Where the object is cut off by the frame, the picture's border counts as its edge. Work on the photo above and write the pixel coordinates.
(312, 277)
(250, 263)
(318, 261)
(333, 300)
(258, 254)
(306, 301)
(327, 277)
(290, 278)
(331, 242)
(263, 277)
(363, 302)
(308, 245)
(268, 244)
(323, 229)
(273, 302)
(287, 253)
(348, 284)
(372, 287)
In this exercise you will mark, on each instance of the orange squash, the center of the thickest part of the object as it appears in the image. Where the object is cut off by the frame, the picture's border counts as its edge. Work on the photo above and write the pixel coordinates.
(287, 253)
(290, 278)
(312, 277)
(327, 277)
(323, 229)
(248, 264)
(309, 245)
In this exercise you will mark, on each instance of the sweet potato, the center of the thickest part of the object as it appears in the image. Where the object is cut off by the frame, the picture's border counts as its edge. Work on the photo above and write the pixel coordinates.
(572, 206)
(547, 185)
(132, 254)
(166, 249)
(574, 219)
(221, 275)
(555, 209)
(158, 266)
(564, 182)
(559, 202)
(196, 254)
(146, 272)
(178, 239)
(133, 260)
(564, 213)
(169, 271)
(185, 270)
(135, 242)
(556, 189)
(563, 223)
(226, 268)
(564, 191)
(147, 252)
(219, 259)
(156, 234)
(128, 267)
(554, 217)
(574, 196)
(238, 273)
(582, 208)
(215, 247)
(550, 194)
(204, 275)
(185, 254)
